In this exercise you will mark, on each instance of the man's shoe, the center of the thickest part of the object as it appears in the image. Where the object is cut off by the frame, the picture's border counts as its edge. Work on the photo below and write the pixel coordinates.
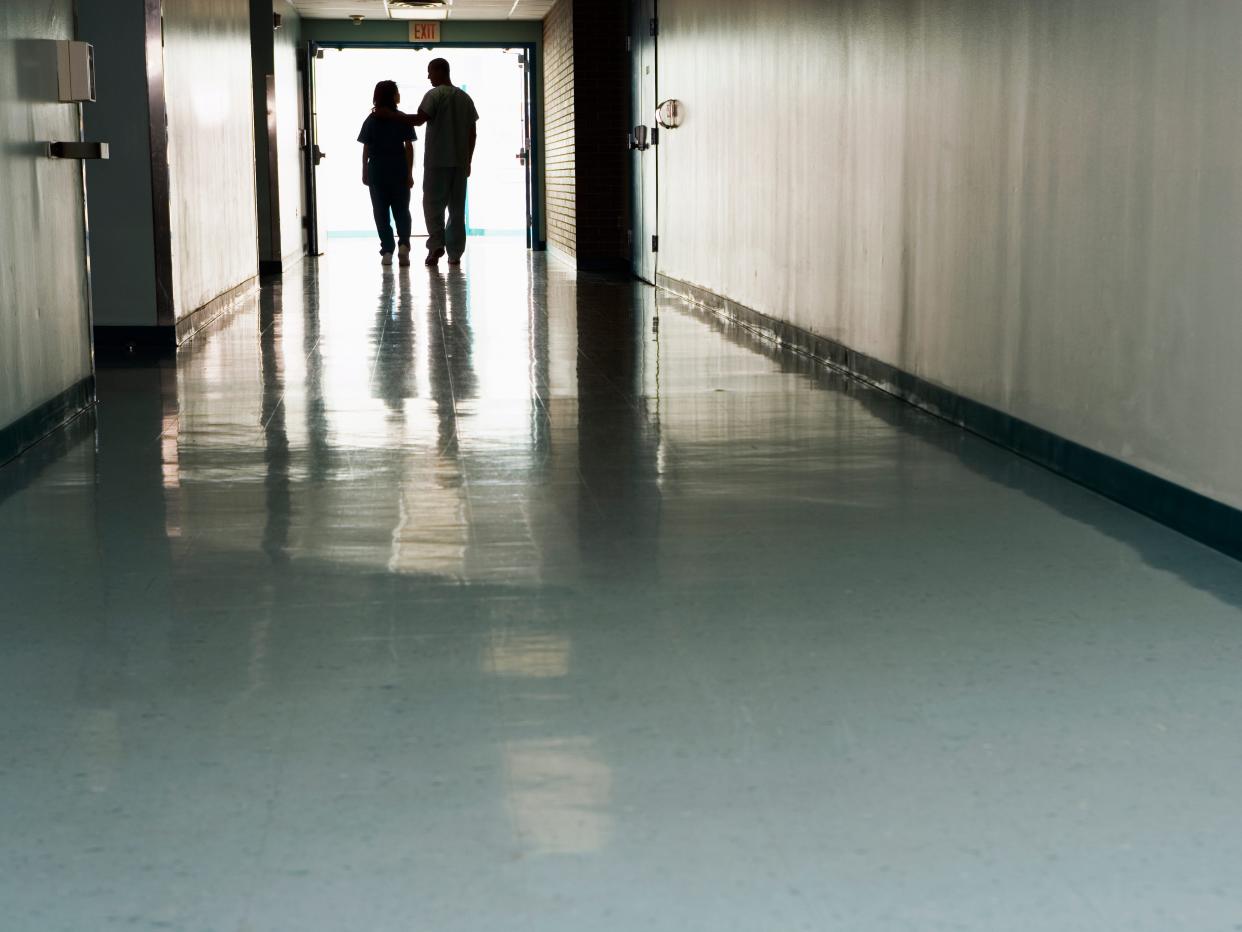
(455, 262)
(385, 258)
(434, 257)
(403, 254)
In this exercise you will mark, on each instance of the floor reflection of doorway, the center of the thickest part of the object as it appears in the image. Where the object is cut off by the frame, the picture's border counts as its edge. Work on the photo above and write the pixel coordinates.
(496, 204)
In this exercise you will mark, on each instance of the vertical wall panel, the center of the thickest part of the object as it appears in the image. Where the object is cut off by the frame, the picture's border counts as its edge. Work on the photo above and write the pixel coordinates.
(278, 167)
(601, 116)
(289, 155)
(122, 249)
(210, 148)
(1036, 205)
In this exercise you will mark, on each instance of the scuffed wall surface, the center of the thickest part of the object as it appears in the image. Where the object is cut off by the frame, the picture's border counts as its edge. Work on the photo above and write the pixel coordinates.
(44, 326)
(1036, 205)
(210, 148)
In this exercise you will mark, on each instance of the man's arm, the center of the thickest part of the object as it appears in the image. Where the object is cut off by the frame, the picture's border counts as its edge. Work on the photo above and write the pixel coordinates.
(409, 119)
(474, 137)
(366, 156)
(409, 163)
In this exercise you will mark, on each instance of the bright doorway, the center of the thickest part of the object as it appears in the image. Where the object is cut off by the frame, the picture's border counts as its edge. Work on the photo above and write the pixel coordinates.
(497, 202)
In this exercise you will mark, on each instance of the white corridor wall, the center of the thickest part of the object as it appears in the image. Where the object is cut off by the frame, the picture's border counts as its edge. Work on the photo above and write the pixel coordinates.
(1037, 205)
(44, 316)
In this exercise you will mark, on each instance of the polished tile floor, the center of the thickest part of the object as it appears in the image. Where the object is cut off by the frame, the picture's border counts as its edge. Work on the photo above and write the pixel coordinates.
(506, 599)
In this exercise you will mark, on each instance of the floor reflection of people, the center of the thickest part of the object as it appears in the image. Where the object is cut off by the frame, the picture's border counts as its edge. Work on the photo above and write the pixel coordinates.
(394, 342)
(619, 513)
(451, 363)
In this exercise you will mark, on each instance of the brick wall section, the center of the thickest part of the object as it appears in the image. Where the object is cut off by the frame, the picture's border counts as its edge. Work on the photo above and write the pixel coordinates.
(602, 107)
(559, 105)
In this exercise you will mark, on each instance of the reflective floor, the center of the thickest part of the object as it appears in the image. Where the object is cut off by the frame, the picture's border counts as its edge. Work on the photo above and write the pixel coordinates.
(504, 599)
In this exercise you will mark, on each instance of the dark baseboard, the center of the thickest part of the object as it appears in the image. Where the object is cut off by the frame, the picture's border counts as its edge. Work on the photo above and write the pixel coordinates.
(1204, 519)
(196, 320)
(124, 344)
(29, 429)
(611, 265)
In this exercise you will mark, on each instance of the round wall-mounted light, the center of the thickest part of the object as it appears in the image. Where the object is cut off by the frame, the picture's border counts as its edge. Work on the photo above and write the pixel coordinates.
(357, 18)
(670, 114)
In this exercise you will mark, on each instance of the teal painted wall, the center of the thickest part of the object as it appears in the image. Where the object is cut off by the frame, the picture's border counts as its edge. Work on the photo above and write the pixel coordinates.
(123, 244)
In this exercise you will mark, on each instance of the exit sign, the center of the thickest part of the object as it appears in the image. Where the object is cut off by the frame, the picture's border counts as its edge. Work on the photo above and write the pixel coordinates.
(424, 32)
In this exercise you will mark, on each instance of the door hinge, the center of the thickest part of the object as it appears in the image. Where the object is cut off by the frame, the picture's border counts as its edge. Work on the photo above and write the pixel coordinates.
(655, 26)
(655, 244)
(629, 45)
(522, 59)
(655, 135)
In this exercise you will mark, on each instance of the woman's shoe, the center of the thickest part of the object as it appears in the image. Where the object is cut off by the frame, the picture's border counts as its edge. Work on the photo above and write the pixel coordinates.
(403, 254)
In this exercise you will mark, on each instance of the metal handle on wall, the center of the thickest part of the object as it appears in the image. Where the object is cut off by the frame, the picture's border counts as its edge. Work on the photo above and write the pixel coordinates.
(77, 150)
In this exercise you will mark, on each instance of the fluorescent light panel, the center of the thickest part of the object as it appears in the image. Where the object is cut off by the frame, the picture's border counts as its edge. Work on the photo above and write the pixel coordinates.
(426, 13)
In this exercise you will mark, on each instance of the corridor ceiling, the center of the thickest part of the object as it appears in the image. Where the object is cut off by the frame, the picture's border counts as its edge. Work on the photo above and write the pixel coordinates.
(456, 9)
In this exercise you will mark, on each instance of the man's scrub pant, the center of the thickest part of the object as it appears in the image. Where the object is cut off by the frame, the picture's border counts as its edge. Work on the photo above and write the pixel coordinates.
(444, 190)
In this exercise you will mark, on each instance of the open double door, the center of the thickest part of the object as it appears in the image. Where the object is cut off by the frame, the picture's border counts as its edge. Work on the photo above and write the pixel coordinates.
(310, 140)
(644, 138)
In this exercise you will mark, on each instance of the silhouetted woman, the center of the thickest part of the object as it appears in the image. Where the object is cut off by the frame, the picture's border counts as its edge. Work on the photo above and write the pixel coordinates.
(388, 170)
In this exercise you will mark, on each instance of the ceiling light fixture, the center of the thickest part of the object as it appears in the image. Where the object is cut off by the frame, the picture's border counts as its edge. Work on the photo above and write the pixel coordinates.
(417, 9)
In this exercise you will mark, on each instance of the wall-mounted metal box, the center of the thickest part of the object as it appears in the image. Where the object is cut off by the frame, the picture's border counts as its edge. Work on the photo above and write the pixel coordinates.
(75, 70)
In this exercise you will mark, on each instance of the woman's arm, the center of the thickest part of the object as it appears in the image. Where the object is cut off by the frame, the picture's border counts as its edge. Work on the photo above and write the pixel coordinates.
(366, 157)
(409, 163)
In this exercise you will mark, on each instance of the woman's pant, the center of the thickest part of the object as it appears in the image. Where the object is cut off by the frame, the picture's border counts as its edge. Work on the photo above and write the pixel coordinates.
(394, 198)
(444, 189)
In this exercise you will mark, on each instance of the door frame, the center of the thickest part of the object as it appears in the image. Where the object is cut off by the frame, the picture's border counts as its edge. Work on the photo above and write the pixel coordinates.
(307, 55)
(534, 113)
(644, 162)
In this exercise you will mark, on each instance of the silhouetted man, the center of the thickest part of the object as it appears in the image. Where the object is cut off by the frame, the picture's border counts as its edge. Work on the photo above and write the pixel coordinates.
(448, 151)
